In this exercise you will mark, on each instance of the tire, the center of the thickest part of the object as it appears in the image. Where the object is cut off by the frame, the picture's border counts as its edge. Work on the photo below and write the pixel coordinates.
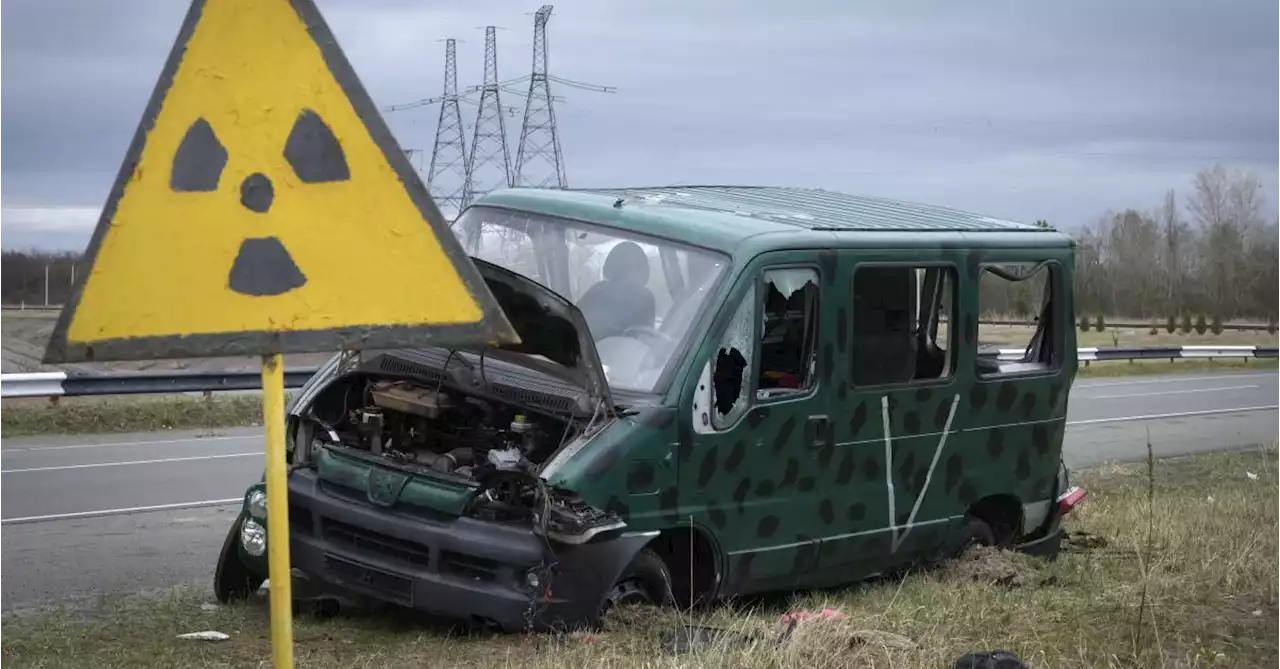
(976, 532)
(233, 581)
(646, 581)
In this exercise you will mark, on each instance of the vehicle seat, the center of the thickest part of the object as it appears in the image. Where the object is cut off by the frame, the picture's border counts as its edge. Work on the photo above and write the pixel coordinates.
(622, 299)
(884, 346)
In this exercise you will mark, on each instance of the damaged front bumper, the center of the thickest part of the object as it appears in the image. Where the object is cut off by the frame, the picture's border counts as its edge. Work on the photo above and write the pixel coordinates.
(456, 567)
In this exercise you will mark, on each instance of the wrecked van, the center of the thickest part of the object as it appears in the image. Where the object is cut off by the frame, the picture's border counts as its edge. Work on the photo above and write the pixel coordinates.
(718, 391)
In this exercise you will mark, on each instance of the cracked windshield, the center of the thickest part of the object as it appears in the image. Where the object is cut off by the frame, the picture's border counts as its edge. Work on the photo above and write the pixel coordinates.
(639, 295)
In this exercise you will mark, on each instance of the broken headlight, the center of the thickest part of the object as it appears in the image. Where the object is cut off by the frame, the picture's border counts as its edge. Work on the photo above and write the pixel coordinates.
(256, 503)
(253, 537)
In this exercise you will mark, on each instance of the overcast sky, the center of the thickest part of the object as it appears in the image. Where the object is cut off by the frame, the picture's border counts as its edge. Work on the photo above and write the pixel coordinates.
(1016, 109)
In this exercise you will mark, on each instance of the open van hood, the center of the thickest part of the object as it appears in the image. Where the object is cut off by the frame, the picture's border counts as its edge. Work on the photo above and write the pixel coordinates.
(551, 329)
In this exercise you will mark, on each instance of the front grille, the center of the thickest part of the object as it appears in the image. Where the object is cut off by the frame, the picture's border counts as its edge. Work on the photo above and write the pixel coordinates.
(395, 587)
(360, 539)
(300, 520)
(470, 566)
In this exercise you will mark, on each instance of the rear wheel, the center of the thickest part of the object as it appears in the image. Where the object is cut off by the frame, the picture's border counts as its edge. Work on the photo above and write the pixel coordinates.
(646, 581)
(975, 532)
(233, 580)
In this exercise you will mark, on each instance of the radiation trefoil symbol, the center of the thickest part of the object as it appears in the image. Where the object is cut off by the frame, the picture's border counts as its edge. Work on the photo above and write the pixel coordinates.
(258, 177)
(263, 266)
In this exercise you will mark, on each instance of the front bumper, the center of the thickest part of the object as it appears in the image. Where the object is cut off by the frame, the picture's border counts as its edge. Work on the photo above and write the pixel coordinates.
(454, 567)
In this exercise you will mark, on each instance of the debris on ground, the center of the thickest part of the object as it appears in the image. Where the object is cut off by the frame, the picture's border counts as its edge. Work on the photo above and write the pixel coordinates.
(998, 659)
(994, 566)
(834, 625)
(205, 636)
(696, 638)
(208, 607)
(1085, 540)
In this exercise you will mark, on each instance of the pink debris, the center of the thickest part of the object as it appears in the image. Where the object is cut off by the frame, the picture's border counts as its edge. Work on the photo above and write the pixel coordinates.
(791, 619)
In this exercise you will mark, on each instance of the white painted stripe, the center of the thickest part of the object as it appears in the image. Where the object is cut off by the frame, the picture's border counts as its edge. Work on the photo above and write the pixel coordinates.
(1183, 414)
(133, 462)
(110, 444)
(1165, 392)
(888, 459)
(117, 512)
(838, 537)
(928, 477)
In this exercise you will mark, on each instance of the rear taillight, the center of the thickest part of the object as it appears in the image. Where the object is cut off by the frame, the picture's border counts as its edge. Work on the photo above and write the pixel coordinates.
(1070, 499)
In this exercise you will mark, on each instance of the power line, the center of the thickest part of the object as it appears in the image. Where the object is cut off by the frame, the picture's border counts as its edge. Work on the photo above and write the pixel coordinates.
(447, 177)
(539, 159)
(489, 162)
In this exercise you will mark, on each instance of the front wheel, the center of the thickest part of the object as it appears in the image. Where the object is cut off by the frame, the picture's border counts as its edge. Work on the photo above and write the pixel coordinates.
(646, 581)
(233, 580)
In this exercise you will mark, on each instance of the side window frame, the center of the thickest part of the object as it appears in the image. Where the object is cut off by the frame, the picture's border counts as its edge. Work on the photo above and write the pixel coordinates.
(1057, 296)
(749, 396)
(952, 363)
(812, 344)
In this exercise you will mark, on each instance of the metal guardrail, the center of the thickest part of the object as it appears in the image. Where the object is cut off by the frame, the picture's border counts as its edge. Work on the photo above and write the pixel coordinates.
(57, 384)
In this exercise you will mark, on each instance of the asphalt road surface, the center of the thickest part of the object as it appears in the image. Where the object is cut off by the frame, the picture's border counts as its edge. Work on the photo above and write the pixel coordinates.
(87, 515)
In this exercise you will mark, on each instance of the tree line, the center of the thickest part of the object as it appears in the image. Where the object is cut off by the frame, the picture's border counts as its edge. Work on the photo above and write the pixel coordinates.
(1210, 253)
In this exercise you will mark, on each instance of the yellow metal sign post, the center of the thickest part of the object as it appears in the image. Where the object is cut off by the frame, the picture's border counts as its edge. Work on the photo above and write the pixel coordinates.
(259, 191)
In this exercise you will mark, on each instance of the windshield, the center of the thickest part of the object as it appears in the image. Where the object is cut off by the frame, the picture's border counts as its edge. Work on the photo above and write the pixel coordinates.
(638, 294)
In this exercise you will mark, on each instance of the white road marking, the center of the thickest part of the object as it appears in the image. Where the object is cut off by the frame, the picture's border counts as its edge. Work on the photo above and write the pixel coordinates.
(129, 443)
(116, 512)
(132, 462)
(1165, 392)
(1178, 379)
(1182, 414)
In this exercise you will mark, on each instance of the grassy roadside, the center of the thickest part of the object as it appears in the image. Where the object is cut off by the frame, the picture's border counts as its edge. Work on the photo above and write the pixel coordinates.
(1207, 573)
(1178, 366)
(97, 415)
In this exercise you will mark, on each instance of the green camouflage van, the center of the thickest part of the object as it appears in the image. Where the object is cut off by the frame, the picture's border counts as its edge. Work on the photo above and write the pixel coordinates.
(718, 391)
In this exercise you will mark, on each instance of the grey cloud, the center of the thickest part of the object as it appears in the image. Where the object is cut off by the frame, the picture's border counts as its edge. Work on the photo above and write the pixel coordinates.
(1021, 110)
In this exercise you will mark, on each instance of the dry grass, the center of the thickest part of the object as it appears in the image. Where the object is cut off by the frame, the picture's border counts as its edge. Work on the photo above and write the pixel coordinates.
(1210, 583)
(1118, 368)
(100, 415)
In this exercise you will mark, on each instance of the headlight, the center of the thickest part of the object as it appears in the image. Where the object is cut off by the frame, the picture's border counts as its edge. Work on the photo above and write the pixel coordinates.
(253, 537)
(257, 503)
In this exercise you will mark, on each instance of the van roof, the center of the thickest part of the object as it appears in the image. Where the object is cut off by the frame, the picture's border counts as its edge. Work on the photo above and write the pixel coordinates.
(721, 217)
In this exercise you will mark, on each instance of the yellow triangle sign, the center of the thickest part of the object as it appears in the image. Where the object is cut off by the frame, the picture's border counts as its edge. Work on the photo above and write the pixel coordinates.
(264, 207)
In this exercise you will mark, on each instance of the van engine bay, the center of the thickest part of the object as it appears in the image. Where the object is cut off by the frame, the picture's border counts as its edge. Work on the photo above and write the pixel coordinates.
(422, 429)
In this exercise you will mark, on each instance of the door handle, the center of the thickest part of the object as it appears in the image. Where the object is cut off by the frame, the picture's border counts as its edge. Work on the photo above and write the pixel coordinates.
(817, 432)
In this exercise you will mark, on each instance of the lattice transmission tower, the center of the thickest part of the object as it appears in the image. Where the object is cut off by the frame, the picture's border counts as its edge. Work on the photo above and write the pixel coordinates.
(447, 174)
(539, 159)
(489, 164)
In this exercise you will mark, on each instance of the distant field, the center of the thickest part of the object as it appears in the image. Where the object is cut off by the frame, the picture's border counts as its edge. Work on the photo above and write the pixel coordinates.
(25, 333)
(1021, 334)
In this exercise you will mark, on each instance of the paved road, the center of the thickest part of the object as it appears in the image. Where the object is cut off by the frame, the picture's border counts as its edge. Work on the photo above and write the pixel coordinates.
(121, 513)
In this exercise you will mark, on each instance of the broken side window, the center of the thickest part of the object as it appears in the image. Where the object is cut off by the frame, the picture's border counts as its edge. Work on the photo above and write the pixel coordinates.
(901, 324)
(730, 374)
(788, 338)
(1020, 292)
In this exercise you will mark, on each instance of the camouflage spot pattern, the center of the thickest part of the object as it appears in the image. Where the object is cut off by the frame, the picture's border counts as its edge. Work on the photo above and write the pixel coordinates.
(788, 506)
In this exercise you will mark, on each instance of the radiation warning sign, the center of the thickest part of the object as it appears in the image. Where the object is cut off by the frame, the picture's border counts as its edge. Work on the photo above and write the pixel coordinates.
(264, 207)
